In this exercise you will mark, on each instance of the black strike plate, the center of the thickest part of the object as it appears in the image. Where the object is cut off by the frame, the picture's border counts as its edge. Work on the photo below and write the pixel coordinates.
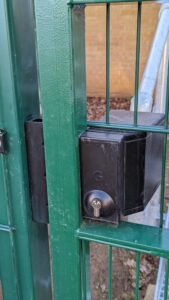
(37, 170)
(2, 141)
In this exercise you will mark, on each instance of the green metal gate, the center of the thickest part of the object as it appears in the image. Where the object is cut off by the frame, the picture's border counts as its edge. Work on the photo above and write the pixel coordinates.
(61, 55)
(24, 274)
(24, 260)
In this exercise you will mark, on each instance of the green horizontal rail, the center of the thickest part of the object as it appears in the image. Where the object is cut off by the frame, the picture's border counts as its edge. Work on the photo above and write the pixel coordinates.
(158, 129)
(135, 237)
(76, 2)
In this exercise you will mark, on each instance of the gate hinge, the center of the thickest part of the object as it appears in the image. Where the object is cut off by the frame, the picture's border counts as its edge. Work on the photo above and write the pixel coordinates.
(3, 149)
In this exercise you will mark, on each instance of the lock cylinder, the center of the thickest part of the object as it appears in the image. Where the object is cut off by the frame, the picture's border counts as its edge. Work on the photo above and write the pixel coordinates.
(98, 204)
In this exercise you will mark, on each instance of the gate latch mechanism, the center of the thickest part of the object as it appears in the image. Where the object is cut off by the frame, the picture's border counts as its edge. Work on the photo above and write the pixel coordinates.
(120, 169)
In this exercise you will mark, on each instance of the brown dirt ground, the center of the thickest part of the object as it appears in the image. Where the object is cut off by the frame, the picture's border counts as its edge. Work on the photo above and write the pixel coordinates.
(96, 106)
(123, 264)
(123, 279)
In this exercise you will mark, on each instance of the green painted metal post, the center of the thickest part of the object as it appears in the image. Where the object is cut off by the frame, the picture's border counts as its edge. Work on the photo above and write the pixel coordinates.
(62, 85)
(24, 251)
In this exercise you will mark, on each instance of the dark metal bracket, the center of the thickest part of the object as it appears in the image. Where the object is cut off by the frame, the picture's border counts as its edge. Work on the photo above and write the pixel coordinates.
(37, 170)
(3, 148)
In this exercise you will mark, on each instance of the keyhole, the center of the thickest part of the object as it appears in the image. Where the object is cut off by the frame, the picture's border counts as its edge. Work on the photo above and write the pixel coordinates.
(96, 204)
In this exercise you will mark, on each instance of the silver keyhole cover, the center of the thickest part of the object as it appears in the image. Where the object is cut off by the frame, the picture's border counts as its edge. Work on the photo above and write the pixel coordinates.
(107, 203)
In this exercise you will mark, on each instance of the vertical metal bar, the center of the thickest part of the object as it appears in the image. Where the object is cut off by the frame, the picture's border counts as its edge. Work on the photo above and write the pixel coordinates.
(109, 272)
(137, 275)
(8, 266)
(107, 62)
(164, 153)
(167, 101)
(10, 223)
(84, 276)
(86, 270)
(64, 106)
(164, 158)
(166, 280)
(137, 66)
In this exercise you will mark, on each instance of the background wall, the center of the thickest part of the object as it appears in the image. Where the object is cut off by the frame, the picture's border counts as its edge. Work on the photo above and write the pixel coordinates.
(123, 36)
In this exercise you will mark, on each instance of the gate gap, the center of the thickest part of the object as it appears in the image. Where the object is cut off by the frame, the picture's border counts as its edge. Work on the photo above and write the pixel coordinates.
(1, 294)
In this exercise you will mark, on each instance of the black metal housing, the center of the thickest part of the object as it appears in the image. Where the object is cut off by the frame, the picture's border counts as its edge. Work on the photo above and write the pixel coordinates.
(126, 165)
(37, 170)
(2, 142)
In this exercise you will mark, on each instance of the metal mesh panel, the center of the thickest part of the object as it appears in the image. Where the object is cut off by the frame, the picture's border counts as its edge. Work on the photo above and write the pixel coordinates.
(100, 233)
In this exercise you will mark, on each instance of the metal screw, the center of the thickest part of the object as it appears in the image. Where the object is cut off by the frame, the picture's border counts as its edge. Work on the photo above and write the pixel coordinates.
(96, 204)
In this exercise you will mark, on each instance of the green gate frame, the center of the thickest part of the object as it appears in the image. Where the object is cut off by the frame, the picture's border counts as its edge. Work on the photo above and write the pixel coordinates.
(24, 259)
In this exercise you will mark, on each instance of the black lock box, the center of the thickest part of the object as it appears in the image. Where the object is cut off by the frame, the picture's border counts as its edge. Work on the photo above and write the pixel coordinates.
(120, 170)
